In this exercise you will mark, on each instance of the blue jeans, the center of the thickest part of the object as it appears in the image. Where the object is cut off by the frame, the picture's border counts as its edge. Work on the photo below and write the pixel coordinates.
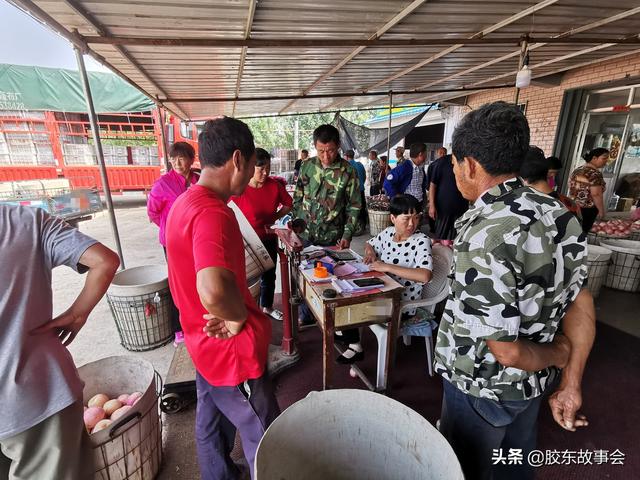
(476, 426)
(249, 407)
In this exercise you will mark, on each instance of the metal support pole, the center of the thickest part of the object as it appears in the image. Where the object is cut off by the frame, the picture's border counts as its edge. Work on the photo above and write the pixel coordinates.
(162, 115)
(389, 127)
(524, 45)
(296, 135)
(99, 155)
(288, 344)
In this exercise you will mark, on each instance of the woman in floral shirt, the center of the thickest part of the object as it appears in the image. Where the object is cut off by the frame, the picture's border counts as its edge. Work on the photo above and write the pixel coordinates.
(586, 187)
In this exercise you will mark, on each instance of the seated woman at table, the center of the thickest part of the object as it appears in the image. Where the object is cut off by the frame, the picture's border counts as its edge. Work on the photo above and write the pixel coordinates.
(402, 253)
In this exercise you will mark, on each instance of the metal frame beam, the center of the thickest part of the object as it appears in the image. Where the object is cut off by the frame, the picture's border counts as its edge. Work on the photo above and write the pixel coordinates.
(243, 54)
(556, 39)
(375, 37)
(102, 30)
(579, 65)
(321, 95)
(477, 37)
(77, 40)
(361, 44)
(479, 89)
(564, 35)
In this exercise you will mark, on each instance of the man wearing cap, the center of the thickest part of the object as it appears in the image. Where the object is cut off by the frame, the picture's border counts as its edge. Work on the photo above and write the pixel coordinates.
(409, 177)
(400, 155)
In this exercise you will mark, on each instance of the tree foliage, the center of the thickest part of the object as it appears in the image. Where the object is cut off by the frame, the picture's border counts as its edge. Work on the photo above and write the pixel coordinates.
(279, 132)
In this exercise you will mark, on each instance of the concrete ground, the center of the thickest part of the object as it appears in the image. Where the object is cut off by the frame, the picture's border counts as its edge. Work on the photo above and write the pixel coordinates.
(100, 339)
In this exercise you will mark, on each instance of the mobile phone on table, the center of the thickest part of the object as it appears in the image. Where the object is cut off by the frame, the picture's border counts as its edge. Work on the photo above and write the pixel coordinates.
(340, 255)
(368, 282)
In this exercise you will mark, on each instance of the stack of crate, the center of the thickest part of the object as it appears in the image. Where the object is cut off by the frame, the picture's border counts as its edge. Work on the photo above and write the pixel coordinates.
(115, 155)
(5, 159)
(140, 155)
(283, 160)
(19, 144)
(43, 149)
(78, 154)
(22, 152)
(153, 155)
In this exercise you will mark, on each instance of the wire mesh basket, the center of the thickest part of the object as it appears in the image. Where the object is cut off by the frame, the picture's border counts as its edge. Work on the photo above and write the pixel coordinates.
(624, 271)
(143, 321)
(598, 261)
(131, 447)
(141, 306)
(378, 221)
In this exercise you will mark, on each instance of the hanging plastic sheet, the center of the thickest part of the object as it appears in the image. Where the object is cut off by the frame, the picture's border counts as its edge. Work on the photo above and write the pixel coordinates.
(362, 139)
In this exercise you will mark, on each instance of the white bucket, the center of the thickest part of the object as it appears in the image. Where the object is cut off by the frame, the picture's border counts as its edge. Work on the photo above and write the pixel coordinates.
(139, 281)
(131, 448)
(347, 434)
(378, 221)
(598, 260)
(624, 271)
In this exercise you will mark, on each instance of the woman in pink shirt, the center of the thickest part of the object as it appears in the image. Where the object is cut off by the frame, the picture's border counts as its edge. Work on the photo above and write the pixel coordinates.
(264, 201)
(163, 193)
(170, 185)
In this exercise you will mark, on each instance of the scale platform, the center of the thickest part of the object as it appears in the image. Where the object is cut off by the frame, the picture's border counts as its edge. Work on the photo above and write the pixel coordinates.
(180, 384)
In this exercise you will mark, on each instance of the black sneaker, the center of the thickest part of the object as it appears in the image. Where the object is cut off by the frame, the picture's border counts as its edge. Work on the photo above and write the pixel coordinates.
(306, 322)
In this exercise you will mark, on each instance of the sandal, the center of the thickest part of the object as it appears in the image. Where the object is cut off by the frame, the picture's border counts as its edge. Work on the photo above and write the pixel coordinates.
(277, 315)
(356, 357)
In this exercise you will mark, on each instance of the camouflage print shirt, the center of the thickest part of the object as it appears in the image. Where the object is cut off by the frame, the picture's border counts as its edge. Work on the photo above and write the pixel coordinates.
(328, 199)
(519, 261)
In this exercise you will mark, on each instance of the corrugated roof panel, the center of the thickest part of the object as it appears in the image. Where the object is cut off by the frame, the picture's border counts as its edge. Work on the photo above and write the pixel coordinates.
(187, 72)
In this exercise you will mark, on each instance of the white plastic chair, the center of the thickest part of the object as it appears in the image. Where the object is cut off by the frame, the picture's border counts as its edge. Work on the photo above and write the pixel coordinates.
(433, 293)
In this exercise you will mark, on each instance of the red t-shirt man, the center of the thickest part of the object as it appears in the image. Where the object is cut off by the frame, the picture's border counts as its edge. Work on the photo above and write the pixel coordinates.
(202, 232)
(260, 205)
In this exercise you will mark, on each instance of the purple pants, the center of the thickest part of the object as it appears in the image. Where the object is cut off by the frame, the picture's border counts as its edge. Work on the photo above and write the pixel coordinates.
(249, 407)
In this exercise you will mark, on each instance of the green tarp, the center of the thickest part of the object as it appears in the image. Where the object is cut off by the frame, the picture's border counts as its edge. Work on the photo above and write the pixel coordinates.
(39, 88)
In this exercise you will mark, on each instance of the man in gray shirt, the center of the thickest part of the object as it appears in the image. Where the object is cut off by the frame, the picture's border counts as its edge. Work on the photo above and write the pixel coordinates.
(42, 433)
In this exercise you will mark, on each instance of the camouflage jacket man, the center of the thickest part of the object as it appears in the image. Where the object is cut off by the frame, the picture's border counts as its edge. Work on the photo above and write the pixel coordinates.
(328, 199)
(519, 262)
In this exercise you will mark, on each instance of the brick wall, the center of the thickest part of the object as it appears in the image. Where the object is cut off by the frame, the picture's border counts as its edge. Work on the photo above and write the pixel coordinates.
(543, 107)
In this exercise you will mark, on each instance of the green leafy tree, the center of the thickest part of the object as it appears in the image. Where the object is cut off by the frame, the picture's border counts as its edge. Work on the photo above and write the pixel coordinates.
(279, 132)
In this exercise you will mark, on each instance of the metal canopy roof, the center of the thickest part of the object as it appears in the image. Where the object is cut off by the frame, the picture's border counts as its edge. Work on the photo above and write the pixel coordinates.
(202, 58)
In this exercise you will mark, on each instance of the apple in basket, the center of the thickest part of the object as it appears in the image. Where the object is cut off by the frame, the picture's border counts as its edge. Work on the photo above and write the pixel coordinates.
(111, 406)
(98, 400)
(121, 412)
(101, 425)
(100, 411)
(92, 416)
(133, 398)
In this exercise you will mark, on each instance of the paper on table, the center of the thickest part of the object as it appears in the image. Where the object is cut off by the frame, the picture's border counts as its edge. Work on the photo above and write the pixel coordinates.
(325, 259)
(312, 249)
(344, 269)
(347, 286)
(361, 267)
